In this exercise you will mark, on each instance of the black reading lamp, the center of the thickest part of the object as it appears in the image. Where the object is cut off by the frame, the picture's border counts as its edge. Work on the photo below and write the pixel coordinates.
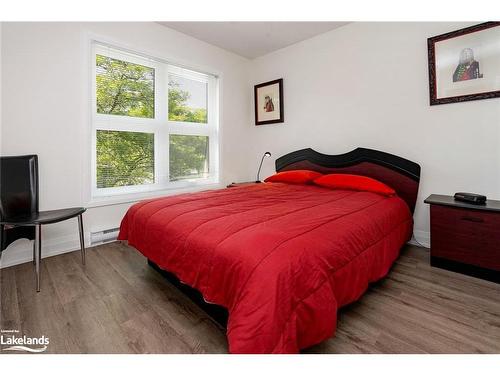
(267, 154)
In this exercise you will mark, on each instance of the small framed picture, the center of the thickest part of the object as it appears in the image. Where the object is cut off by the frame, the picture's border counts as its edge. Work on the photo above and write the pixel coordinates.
(269, 102)
(465, 64)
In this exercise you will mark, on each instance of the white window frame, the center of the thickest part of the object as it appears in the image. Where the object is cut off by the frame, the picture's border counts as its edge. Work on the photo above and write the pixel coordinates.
(160, 126)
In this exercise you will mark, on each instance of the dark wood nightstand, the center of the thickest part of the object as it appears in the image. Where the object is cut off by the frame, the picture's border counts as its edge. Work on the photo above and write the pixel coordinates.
(465, 237)
(235, 184)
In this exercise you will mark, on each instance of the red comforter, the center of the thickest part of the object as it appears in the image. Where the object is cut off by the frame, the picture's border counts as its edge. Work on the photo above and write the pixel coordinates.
(281, 258)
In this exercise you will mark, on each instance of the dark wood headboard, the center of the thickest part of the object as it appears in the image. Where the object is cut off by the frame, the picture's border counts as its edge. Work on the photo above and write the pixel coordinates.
(401, 174)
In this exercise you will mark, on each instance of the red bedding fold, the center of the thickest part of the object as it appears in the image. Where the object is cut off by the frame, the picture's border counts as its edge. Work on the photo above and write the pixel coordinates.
(281, 258)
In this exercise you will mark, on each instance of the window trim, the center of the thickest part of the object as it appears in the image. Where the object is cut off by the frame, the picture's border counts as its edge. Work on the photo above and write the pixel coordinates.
(160, 126)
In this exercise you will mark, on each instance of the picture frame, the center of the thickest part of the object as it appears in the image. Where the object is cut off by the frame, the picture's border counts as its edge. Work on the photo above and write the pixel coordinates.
(464, 64)
(268, 101)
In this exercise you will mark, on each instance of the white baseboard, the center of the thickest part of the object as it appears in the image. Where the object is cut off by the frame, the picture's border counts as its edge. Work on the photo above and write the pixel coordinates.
(21, 251)
(422, 239)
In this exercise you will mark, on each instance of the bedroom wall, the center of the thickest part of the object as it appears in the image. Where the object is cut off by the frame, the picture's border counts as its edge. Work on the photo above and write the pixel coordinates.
(366, 85)
(45, 110)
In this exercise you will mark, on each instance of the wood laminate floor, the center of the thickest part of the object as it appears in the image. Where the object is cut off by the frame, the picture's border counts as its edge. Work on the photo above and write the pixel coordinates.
(118, 304)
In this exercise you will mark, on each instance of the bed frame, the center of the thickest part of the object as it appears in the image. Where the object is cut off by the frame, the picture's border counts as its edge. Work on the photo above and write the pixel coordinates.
(401, 174)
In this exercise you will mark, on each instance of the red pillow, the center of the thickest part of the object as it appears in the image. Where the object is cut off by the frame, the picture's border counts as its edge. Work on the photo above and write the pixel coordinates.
(354, 182)
(294, 177)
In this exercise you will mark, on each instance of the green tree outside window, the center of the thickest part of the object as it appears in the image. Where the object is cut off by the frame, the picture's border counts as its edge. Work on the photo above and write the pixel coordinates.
(124, 88)
(124, 158)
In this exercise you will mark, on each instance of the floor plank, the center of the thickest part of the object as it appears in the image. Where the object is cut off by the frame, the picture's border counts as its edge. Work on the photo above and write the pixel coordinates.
(118, 304)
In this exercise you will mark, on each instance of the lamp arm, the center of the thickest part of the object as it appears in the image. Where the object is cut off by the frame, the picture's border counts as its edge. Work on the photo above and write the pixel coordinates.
(260, 166)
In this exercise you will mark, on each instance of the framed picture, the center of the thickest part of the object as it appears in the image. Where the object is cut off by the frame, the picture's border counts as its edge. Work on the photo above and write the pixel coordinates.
(465, 64)
(269, 102)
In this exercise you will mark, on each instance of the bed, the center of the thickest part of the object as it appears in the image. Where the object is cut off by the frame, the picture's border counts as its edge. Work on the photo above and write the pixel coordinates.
(281, 259)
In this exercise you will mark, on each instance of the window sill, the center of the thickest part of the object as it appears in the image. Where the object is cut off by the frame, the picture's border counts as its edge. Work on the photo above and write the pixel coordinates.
(112, 200)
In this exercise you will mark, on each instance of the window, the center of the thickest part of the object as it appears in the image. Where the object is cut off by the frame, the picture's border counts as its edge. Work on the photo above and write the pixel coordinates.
(187, 100)
(124, 88)
(188, 156)
(154, 124)
(124, 158)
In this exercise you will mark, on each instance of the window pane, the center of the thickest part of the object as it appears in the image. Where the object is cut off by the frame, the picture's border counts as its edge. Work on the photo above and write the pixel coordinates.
(188, 157)
(124, 88)
(124, 158)
(187, 99)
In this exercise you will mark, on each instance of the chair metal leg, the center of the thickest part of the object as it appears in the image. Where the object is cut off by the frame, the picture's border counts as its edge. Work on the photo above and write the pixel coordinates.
(38, 257)
(82, 240)
(34, 251)
(1, 238)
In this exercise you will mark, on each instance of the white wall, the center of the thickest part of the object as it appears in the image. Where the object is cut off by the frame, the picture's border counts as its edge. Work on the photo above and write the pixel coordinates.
(366, 85)
(45, 110)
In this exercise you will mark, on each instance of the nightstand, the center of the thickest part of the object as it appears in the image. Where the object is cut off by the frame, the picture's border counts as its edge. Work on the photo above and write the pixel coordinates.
(236, 184)
(465, 237)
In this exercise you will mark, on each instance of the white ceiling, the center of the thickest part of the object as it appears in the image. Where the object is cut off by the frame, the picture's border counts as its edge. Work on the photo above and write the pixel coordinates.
(252, 39)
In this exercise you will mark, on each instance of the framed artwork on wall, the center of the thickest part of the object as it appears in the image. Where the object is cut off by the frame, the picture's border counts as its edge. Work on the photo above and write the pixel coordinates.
(268, 98)
(465, 64)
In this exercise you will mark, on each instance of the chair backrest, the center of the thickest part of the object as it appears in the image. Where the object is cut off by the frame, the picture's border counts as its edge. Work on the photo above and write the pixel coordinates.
(18, 186)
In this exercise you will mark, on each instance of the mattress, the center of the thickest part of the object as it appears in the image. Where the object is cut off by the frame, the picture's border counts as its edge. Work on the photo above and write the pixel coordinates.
(281, 258)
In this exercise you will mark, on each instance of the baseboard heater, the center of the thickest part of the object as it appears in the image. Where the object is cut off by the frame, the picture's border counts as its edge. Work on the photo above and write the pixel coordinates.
(103, 236)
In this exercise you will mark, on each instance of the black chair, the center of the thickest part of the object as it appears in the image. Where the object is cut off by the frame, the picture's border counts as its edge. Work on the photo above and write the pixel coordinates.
(19, 214)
